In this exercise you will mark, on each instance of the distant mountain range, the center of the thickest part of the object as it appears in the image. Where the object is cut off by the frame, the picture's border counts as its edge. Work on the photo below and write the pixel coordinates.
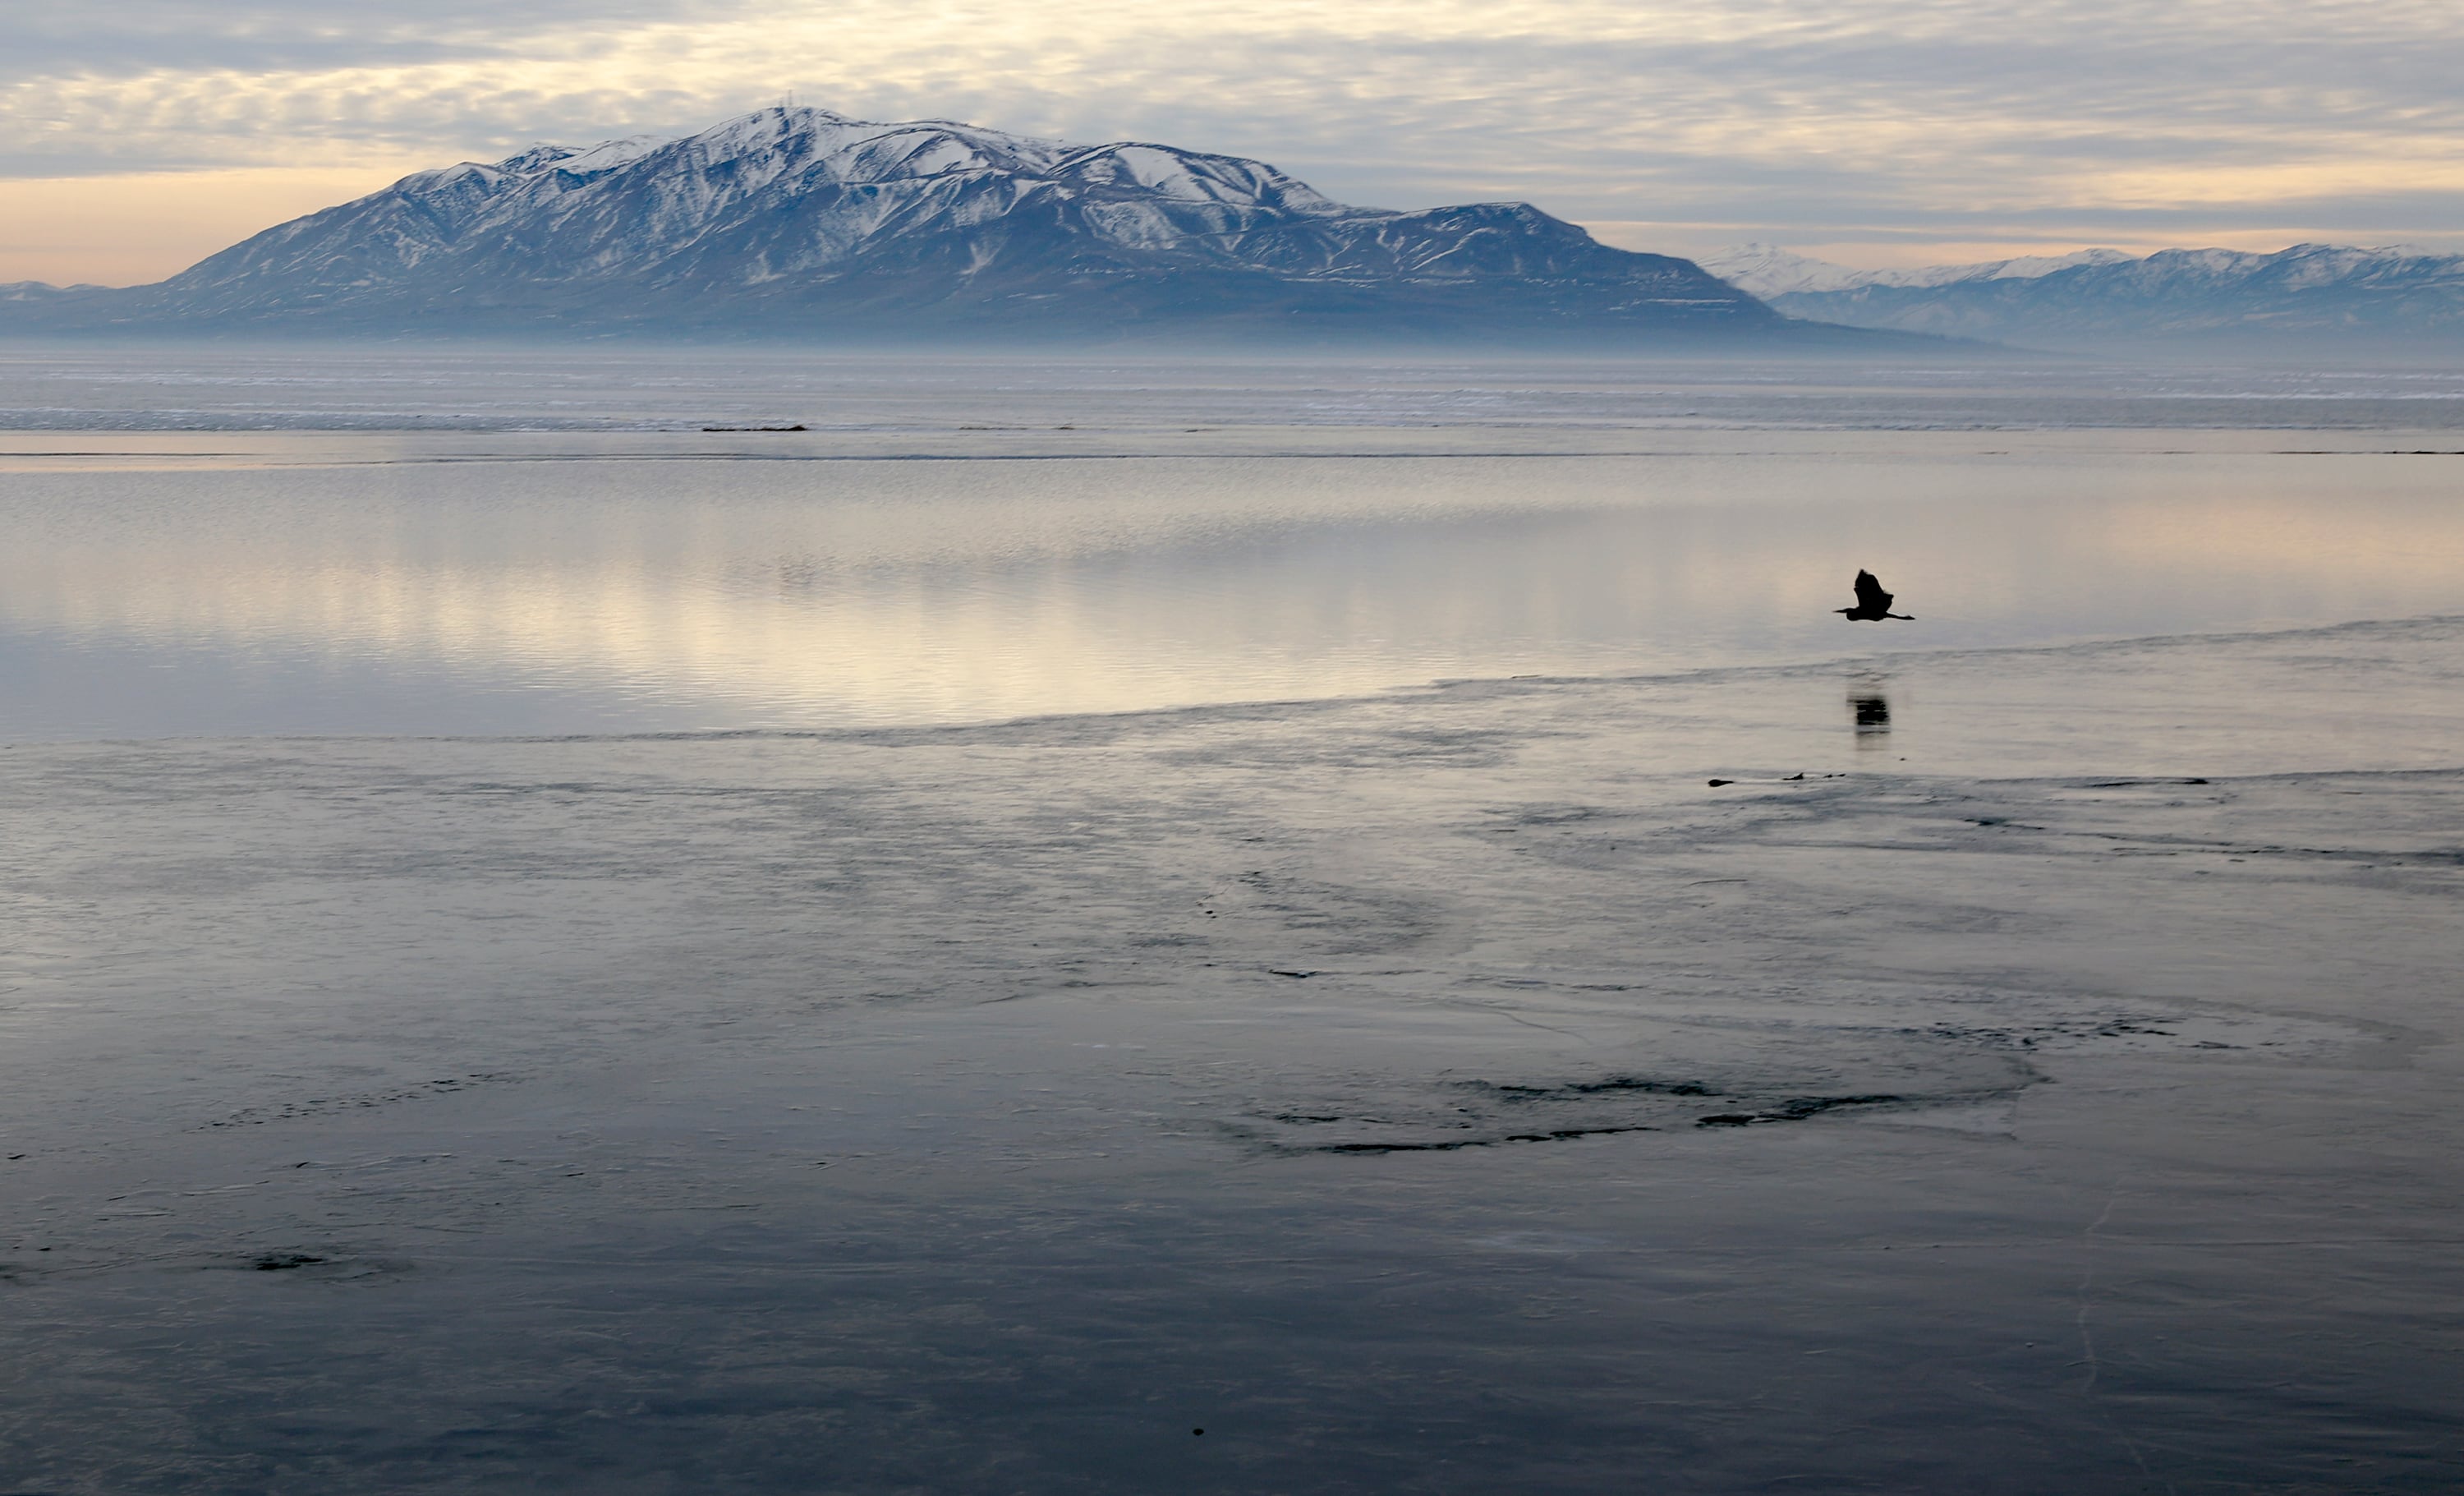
(800, 223)
(2312, 297)
(1768, 271)
(803, 225)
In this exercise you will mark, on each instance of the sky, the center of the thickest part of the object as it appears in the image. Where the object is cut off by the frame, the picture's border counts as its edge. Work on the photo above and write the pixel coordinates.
(139, 136)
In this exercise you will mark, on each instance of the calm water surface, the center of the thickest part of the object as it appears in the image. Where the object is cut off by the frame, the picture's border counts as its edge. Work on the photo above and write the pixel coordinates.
(217, 582)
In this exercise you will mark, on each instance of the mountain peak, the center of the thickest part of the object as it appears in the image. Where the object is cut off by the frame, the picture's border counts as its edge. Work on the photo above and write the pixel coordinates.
(605, 156)
(793, 219)
(1767, 270)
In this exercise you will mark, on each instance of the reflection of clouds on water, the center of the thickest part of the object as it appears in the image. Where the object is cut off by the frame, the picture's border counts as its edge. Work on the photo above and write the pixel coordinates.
(679, 589)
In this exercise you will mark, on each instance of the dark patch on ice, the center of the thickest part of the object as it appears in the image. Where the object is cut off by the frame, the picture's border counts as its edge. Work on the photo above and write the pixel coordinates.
(321, 1106)
(2153, 1032)
(1483, 1114)
(321, 1267)
(1796, 1109)
(1454, 1144)
(1556, 815)
(1609, 1087)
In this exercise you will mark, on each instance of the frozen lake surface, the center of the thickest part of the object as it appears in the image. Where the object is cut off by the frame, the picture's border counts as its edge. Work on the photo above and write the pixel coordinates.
(903, 957)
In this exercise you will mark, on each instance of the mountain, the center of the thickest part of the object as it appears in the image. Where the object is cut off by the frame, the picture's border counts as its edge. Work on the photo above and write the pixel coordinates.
(797, 222)
(1766, 271)
(2312, 297)
(36, 291)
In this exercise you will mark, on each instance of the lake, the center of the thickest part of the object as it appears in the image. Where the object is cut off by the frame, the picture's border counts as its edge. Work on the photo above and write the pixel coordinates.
(968, 542)
(1097, 926)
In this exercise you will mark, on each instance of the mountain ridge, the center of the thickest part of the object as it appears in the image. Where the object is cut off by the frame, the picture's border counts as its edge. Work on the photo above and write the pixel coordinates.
(2308, 296)
(1766, 270)
(803, 223)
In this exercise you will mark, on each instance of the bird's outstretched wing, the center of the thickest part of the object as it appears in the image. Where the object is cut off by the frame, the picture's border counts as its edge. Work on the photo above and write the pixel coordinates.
(1870, 596)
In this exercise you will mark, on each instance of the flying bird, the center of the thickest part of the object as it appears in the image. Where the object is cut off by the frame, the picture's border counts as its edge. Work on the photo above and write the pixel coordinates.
(1873, 604)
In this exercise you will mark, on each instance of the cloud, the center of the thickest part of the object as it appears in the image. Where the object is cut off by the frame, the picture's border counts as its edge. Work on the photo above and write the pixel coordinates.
(1804, 120)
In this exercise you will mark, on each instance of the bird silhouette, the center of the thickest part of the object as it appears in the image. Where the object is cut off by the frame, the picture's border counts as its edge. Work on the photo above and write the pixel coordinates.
(1873, 604)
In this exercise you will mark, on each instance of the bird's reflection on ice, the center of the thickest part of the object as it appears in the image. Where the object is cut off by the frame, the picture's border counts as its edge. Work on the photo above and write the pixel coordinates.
(1869, 708)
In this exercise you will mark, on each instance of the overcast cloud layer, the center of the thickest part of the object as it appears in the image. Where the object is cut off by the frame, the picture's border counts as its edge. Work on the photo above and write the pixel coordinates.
(1879, 132)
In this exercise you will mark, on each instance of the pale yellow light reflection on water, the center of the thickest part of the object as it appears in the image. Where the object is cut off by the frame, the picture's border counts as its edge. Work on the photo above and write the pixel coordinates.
(350, 584)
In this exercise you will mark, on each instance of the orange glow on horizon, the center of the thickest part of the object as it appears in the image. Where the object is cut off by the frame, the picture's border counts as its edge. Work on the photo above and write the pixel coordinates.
(135, 230)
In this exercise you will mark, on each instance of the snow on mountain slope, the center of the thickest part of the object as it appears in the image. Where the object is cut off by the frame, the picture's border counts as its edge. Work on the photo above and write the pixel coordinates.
(1767, 270)
(793, 219)
(2309, 295)
(2023, 267)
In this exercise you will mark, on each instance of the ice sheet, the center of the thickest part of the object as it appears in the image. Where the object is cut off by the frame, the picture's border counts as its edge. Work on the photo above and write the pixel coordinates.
(1452, 1090)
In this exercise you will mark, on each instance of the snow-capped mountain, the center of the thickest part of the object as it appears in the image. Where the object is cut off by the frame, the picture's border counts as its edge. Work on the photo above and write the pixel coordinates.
(2310, 297)
(38, 291)
(1767, 270)
(800, 222)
